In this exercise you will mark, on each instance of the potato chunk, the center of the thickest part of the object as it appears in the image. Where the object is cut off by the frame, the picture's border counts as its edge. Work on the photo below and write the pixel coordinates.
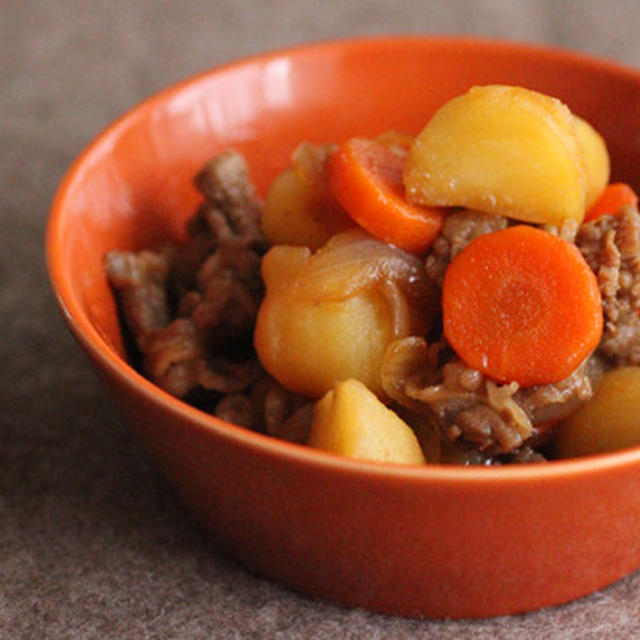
(330, 316)
(299, 208)
(350, 421)
(503, 150)
(609, 421)
(596, 159)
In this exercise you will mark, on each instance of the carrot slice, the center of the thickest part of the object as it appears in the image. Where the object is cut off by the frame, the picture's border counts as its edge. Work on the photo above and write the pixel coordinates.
(614, 196)
(522, 305)
(366, 178)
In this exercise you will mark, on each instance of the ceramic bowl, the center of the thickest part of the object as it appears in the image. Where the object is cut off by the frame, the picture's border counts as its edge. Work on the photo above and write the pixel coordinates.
(431, 541)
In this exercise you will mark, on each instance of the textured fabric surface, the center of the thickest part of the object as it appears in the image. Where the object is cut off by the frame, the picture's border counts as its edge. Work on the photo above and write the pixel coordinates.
(93, 544)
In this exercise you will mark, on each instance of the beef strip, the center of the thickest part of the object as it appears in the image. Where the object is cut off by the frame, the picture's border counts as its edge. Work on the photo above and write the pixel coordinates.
(224, 181)
(228, 219)
(216, 286)
(280, 412)
(484, 427)
(547, 403)
(236, 408)
(472, 410)
(270, 408)
(611, 246)
(227, 294)
(467, 406)
(459, 229)
(141, 281)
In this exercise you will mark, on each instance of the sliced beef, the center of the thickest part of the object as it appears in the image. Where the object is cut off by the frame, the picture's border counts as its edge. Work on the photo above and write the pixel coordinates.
(270, 408)
(171, 354)
(141, 281)
(611, 246)
(224, 181)
(550, 403)
(227, 293)
(467, 406)
(481, 425)
(459, 229)
(472, 410)
(236, 408)
(212, 284)
(228, 219)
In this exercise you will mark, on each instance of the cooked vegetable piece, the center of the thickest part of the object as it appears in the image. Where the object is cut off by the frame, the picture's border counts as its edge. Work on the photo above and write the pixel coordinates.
(613, 198)
(503, 150)
(609, 421)
(330, 316)
(521, 305)
(350, 421)
(291, 214)
(366, 178)
(595, 159)
(282, 264)
(300, 208)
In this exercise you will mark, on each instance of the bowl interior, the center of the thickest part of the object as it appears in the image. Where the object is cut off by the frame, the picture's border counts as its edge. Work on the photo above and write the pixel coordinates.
(132, 188)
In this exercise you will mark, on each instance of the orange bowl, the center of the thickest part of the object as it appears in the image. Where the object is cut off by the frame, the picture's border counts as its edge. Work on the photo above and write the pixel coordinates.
(424, 541)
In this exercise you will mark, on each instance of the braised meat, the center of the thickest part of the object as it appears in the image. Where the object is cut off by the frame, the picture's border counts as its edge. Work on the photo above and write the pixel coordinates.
(459, 229)
(212, 284)
(141, 281)
(467, 407)
(611, 246)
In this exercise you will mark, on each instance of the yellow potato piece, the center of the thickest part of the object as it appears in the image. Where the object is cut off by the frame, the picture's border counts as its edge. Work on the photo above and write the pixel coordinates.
(595, 159)
(308, 345)
(329, 316)
(609, 421)
(299, 209)
(503, 150)
(350, 421)
(290, 214)
(282, 264)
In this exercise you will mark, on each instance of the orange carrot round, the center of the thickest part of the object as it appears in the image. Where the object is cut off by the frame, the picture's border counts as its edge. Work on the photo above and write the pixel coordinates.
(366, 178)
(521, 305)
(614, 196)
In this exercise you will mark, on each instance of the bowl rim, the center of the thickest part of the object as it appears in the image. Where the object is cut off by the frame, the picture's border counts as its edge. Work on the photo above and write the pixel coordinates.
(123, 371)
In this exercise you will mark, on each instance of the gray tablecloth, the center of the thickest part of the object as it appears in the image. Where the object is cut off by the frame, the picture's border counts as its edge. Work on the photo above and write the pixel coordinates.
(93, 544)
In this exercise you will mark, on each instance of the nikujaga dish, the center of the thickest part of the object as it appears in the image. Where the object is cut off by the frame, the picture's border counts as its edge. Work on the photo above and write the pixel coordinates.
(216, 282)
(470, 295)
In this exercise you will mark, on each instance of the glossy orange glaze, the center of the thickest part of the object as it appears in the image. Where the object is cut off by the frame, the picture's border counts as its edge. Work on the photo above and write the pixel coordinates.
(423, 541)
